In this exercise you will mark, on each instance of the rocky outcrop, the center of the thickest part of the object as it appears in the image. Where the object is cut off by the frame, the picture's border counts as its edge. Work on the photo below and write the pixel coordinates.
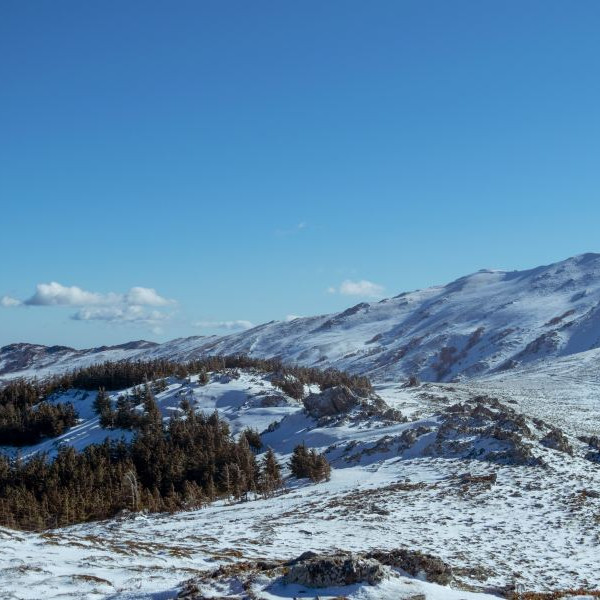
(340, 401)
(237, 581)
(484, 429)
(415, 563)
(330, 402)
(593, 443)
(334, 570)
(557, 440)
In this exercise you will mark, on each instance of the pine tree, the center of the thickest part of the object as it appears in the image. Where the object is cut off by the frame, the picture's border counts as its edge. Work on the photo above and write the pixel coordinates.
(152, 420)
(300, 462)
(271, 473)
(103, 408)
(311, 464)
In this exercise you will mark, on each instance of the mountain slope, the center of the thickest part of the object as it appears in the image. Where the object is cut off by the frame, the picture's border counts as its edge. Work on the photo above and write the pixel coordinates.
(487, 321)
(483, 323)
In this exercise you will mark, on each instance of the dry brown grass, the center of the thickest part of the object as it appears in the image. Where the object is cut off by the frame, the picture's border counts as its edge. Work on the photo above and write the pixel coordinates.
(555, 595)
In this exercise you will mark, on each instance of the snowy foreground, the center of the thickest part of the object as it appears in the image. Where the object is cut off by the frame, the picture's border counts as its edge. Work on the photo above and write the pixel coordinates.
(506, 511)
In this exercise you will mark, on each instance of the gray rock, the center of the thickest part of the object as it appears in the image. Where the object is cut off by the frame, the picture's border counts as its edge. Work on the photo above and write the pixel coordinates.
(330, 402)
(557, 440)
(336, 570)
(415, 563)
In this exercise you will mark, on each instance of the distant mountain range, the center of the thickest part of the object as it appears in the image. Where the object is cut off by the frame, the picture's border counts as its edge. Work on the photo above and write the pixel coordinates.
(487, 322)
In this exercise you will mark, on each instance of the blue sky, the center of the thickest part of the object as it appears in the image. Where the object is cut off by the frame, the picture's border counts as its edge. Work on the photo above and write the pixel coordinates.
(180, 168)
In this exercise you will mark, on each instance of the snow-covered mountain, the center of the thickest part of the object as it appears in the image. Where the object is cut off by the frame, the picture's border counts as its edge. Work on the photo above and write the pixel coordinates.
(491, 481)
(486, 322)
(36, 359)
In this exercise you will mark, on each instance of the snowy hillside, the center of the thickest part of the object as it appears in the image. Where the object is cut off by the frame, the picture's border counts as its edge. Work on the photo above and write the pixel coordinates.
(482, 482)
(491, 320)
(487, 322)
(482, 499)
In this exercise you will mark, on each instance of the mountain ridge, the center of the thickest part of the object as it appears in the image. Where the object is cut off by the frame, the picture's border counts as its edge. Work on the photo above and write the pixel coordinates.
(482, 323)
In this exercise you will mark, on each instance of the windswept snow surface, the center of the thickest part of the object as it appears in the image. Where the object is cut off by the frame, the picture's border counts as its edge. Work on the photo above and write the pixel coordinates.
(535, 526)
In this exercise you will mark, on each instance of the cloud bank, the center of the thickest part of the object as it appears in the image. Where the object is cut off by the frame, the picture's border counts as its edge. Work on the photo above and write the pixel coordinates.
(140, 305)
(56, 294)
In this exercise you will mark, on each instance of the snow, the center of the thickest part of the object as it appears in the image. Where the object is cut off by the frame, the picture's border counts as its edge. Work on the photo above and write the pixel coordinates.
(529, 338)
(531, 528)
(486, 321)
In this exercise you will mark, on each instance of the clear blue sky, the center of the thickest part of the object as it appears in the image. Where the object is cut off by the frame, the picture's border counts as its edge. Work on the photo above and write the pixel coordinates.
(252, 160)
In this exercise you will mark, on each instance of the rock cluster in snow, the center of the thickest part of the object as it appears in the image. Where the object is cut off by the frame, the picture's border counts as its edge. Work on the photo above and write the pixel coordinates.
(339, 401)
(485, 429)
(319, 571)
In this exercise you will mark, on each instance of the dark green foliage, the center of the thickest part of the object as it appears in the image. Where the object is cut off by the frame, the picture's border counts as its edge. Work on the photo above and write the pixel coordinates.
(104, 409)
(180, 464)
(22, 422)
(270, 480)
(253, 438)
(183, 463)
(310, 464)
(26, 418)
(290, 386)
(125, 416)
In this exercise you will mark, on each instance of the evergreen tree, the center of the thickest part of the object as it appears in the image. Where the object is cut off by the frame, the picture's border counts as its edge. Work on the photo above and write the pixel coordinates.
(103, 408)
(270, 474)
(300, 462)
(311, 464)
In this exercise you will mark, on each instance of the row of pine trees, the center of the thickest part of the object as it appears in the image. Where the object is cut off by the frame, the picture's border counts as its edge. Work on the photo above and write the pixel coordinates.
(184, 462)
(27, 414)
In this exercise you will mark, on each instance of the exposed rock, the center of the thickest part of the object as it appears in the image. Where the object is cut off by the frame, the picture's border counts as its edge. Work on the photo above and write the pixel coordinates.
(415, 563)
(237, 581)
(593, 441)
(413, 381)
(593, 457)
(487, 480)
(336, 570)
(485, 429)
(557, 440)
(270, 400)
(410, 436)
(332, 401)
(340, 401)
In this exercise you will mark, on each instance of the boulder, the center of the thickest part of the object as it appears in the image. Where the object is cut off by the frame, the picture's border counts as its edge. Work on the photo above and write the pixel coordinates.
(415, 563)
(557, 440)
(331, 402)
(334, 570)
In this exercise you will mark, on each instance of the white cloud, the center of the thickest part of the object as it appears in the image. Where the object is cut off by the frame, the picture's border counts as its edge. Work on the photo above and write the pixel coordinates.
(137, 306)
(56, 294)
(231, 325)
(121, 314)
(146, 297)
(9, 302)
(358, 288)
